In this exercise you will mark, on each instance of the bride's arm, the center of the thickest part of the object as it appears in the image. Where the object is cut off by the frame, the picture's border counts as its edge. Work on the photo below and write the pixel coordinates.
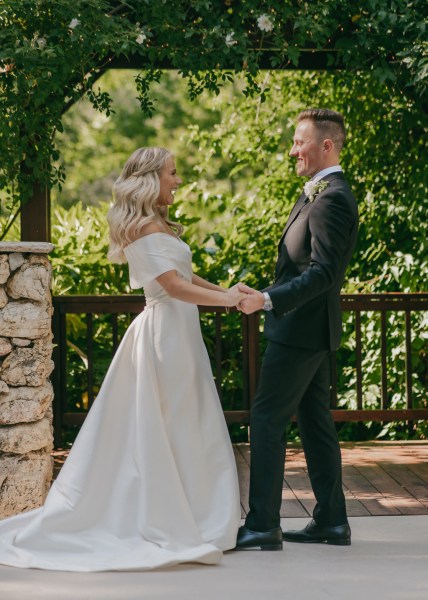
(187, 291)
(196, 280)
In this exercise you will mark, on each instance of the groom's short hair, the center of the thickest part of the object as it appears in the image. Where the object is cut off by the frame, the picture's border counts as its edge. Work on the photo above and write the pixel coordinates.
(329, 124)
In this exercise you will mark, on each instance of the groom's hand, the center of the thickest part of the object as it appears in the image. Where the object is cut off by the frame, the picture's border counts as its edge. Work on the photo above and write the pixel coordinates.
(254, 300)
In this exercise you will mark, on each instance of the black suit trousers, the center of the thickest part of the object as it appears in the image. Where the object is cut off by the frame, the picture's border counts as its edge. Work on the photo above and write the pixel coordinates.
(294, 381)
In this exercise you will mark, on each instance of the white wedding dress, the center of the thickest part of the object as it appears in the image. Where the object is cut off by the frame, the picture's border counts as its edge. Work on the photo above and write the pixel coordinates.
(151, 479)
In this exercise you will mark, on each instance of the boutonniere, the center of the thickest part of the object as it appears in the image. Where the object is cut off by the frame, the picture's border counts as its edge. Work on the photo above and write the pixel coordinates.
(313, 188)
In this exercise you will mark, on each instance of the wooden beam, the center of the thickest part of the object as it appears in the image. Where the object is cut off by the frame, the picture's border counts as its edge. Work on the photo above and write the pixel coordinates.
(309, 59)
(36, 216)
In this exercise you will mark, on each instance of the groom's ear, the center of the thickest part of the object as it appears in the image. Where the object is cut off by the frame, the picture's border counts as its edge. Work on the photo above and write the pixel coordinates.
(327, 145)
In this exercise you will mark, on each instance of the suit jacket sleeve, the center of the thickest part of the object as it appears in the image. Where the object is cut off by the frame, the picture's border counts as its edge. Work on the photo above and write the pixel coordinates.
(330, 224)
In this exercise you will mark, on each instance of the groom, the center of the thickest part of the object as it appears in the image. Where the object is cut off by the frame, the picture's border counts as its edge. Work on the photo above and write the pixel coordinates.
(303, 324)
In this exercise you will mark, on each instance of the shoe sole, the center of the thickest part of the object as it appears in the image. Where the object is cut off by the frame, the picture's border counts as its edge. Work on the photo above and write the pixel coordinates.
(261, 547)
(345, 542)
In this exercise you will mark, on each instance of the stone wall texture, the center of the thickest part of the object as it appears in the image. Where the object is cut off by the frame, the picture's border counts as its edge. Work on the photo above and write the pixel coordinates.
(26, 394)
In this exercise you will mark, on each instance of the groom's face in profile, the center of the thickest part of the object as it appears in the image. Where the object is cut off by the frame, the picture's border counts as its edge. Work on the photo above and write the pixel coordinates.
(307, 149)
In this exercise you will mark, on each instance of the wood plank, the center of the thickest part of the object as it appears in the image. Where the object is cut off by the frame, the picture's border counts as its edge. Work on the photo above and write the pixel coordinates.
(298, 480)
(354, 507)
(244, 480)
(367, 494)
(409, 481)
(369, 414)
(421, 470)
(35, 215)
(291, 507)
(390, 452)
(391, 490)
(244, 449)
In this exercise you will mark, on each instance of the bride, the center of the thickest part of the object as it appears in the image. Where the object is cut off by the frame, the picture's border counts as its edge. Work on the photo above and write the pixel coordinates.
(151, 479)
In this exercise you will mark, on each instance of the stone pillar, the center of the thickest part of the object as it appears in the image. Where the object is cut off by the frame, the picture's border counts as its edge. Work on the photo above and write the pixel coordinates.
(25, 365)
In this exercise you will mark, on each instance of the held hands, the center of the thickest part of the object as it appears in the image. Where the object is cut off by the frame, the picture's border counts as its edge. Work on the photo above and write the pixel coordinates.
(252, 301)
(246, 299)
(234, 296)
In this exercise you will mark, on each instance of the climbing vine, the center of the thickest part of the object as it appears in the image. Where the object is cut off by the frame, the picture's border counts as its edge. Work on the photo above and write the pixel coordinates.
(53, 51)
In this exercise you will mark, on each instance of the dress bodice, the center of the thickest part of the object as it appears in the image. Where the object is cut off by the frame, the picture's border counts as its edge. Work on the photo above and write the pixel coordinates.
(151, 256)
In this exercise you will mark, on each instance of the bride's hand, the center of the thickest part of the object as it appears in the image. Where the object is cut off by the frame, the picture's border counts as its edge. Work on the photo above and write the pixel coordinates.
(234, 287)
(233, 296)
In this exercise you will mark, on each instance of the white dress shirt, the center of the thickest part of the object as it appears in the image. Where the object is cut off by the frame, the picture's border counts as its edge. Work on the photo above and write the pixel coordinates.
(326, 172)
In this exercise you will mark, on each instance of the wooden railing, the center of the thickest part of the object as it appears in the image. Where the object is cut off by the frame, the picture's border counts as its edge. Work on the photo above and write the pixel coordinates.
(382, 304)
(133, 304)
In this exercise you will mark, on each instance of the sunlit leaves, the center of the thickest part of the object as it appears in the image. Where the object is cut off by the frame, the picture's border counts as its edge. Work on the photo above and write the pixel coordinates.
(52, 52)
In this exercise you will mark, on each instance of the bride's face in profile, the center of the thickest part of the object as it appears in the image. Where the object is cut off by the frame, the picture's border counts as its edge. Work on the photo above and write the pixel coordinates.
(169, 182)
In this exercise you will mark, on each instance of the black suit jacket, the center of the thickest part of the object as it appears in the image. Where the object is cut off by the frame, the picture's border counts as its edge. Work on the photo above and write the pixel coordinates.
(313, 253)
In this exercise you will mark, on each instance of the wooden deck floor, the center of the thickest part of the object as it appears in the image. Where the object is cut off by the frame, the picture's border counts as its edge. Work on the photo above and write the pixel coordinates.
(379, 478)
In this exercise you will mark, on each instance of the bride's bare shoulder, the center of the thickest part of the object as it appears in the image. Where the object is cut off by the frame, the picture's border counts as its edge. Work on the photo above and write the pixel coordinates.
(146, 230)
(151, 227)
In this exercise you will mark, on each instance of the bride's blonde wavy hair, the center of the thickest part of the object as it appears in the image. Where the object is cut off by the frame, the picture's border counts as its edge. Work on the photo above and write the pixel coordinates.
(135, 196)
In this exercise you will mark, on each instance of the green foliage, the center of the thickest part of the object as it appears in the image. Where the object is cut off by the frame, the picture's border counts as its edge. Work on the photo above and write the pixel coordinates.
(95, 147)
(390, 185)
(233, 151)
(79, 260)
(52, 52)
(371, 373)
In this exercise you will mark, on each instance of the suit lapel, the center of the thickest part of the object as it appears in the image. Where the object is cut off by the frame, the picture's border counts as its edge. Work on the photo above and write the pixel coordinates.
(301, 203)
(293, 215)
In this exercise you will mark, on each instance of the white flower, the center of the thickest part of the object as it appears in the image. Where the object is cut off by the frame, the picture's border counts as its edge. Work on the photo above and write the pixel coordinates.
(264, 22)
(312, 188)
(74, 23)
(229, 40)
(41, 42)
(141, 38)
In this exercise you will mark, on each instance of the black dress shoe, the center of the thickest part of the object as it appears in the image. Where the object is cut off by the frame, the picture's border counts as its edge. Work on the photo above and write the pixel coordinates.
(339, 535)
(263, 540)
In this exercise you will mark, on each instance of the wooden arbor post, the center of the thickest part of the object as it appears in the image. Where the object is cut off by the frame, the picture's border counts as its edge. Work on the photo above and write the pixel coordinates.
(36, 216)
